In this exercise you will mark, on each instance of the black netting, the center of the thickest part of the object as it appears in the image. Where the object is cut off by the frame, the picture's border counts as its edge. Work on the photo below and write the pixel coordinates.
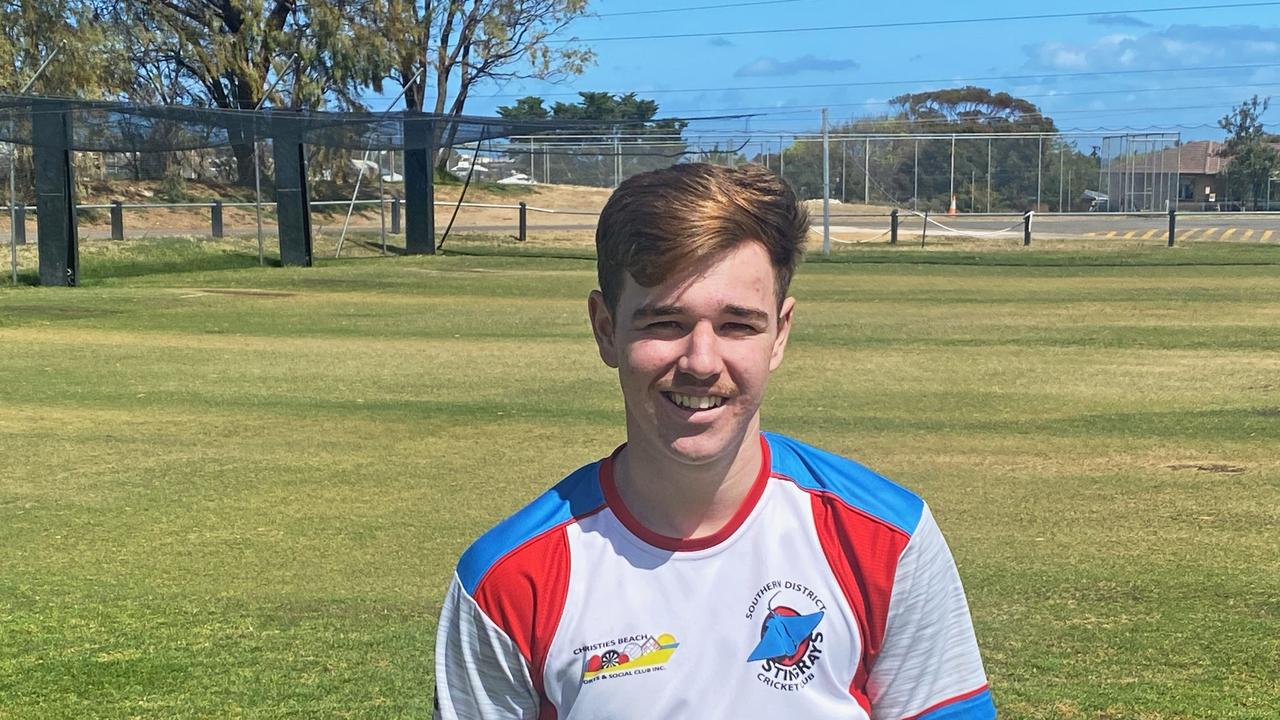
(101, 126)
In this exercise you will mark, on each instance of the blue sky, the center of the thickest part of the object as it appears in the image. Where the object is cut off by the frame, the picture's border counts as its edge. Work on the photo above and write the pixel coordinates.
(728, 73)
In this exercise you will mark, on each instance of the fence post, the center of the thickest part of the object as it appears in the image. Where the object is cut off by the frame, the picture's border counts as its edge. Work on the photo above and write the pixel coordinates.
(395, 214)
(1173, 218)
(215, 212)
(1026, 227)
(524, 217)
(893, 226)
(20, 224)
(117, 220)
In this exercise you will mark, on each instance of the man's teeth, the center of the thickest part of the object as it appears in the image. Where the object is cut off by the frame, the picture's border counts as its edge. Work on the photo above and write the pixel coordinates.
(696, 402)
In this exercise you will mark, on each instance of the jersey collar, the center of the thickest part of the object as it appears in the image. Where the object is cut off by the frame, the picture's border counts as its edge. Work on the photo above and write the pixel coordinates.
(674, 544)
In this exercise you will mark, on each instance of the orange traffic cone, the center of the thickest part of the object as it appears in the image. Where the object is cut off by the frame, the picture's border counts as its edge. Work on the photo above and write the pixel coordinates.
(952, 210)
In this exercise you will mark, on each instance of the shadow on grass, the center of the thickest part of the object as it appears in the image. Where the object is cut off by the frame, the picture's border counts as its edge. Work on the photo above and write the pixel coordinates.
(168, 257)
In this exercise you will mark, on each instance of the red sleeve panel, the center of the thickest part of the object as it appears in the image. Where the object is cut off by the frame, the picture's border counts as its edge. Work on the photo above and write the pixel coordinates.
(863, 552)
(524, 595)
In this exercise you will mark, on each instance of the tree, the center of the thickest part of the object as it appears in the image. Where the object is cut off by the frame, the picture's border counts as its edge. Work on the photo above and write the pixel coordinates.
(458, 44)
(88, 64)
(226, 53)
(970, 109)
(907, 169)
(628, 137)
(1251, 160)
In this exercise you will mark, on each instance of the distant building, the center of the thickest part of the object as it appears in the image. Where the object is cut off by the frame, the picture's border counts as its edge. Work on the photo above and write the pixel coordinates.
(1194, 172)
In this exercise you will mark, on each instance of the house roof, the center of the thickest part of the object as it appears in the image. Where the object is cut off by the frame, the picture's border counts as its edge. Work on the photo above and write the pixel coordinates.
(1200, 157)
(1194, 158)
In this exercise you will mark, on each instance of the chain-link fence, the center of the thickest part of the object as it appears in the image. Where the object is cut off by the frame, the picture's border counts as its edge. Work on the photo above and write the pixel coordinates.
(138, 172)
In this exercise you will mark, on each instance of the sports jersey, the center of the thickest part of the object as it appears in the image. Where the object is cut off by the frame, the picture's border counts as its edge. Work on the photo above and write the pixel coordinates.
(829, 594)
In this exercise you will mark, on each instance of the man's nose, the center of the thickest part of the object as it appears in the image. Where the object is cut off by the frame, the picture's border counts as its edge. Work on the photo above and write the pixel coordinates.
(701, 357)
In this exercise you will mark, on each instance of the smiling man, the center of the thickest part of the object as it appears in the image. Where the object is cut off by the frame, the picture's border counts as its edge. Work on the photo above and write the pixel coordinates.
(706, 569)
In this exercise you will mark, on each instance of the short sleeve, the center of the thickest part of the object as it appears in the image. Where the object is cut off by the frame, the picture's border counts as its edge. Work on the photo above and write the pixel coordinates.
(928, 667)
(480, 673)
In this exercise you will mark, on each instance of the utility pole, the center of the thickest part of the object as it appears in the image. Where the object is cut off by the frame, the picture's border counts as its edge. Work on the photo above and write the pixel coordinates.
(953, 166)
(988, 174)
(915, 179)
(866, 171)
(826, 187)
(1039, 158)
(1060, 177)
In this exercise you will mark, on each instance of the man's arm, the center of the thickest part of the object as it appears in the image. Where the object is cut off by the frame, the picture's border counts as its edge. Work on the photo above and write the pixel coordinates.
(480, 673)
(928, 666)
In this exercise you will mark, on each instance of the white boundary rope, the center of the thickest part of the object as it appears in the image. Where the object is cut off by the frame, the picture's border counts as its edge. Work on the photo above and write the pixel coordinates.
(970, 233)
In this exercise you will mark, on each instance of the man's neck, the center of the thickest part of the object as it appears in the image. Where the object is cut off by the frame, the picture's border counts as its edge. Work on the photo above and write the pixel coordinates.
(681, 500)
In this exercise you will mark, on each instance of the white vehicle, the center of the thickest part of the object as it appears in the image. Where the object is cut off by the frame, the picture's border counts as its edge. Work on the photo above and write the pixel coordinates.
(517, 178)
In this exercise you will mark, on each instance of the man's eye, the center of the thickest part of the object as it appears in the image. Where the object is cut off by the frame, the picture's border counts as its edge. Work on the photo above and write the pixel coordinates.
(663, 325)
(740, 328)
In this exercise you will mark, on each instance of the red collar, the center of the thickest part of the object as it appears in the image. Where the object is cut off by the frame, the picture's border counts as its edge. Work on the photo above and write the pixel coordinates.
(674, 544)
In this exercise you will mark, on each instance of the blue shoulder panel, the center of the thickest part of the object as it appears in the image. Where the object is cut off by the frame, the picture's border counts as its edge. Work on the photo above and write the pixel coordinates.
(578, 494)
(857, 485)
(977, 707)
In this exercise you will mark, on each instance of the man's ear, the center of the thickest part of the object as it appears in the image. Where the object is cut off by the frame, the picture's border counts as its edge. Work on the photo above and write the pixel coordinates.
(603, 328)
(784, 331)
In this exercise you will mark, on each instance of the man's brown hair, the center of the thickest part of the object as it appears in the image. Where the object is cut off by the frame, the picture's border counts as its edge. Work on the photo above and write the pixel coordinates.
(661, 222)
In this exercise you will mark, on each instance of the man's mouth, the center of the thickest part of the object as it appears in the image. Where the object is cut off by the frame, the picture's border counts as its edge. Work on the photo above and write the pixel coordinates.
(695, 402)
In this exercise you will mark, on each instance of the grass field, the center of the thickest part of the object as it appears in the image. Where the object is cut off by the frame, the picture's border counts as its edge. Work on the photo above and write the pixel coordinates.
(230, 491)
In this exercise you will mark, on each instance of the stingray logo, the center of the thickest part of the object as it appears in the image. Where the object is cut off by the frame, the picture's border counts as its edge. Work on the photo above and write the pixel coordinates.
(790, 645)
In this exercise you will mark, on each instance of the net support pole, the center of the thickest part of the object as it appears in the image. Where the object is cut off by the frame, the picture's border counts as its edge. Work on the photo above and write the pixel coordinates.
(13, 213)
(382, 207)
(293, 211)
(257, 199)
(1173, 221)
(419, 190)
(893, 226)
(55, 194)
(346, 222)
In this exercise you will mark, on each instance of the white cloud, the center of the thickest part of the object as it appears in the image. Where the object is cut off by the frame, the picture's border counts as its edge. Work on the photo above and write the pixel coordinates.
(1178, 46)
(807, 63)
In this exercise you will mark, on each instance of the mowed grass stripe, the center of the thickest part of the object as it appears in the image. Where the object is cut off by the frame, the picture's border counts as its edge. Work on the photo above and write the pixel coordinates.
(247, 506)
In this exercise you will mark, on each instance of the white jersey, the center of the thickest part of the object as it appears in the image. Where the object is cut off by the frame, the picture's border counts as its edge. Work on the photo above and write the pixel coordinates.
(830, 594)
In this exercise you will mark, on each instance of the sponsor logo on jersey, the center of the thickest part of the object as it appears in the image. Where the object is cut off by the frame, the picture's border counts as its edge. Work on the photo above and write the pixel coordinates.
(788, 614)
(621, 657)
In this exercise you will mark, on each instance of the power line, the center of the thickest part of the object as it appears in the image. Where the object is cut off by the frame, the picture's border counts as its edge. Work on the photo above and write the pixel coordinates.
(907, 122)
(774, 109)
(698, 7)
(876, 83)
(920, 23)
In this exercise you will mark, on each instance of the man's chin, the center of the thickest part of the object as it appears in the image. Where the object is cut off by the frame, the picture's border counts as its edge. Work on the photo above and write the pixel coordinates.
(702, 449)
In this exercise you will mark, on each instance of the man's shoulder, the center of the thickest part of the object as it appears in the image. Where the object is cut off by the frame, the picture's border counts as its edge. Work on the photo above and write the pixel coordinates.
(845, 481)
(577, 495)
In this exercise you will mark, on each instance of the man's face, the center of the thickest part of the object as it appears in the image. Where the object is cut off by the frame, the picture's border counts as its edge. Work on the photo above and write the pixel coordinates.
(694, 353)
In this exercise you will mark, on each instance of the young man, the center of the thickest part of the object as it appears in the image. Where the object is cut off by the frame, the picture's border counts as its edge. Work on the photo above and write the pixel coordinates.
(705, 569)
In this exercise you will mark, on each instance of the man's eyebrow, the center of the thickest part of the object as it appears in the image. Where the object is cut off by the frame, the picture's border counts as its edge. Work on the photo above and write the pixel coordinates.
(650, 311)
(747, 313)
(740, 311)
